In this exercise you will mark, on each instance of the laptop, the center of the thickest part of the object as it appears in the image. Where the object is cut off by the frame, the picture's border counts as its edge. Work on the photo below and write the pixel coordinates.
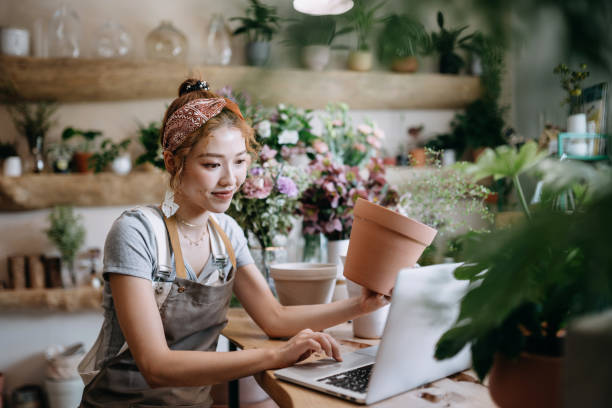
(424, 305)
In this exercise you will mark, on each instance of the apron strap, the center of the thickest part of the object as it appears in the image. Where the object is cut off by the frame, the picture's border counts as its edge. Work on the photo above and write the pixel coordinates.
(226, 241)
(181, 272)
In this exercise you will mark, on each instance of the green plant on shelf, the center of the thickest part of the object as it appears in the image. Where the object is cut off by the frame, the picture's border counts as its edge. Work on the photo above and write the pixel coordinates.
(67, 233)
(88, 136)
(314, 30)
(260, 24)
(445, 42)
(403, 36)
(108, 152)
(363, 18)
(149, 138)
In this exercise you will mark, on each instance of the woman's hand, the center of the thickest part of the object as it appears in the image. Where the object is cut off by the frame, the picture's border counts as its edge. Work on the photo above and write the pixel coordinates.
(305, 343)
(371, 301)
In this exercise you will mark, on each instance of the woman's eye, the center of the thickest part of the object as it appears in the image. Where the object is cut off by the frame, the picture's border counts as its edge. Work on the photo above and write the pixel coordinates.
(211, 165)
(240, 161)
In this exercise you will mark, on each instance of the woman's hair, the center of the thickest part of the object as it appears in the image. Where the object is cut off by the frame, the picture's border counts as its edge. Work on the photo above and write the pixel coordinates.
(191, 90)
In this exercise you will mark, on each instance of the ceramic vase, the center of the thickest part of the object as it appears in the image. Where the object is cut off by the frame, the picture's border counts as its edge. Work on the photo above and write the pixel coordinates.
(529, 381)
(64, 393)
(257, 53)
(12, 166)
(315, 57)
(372, 325)
(577, 123)
(360, 61)
(383, 242)
(303, 283)
(122, 164)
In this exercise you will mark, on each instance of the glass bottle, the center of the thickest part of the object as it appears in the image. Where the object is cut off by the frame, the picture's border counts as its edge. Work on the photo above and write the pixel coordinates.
(113, 40)
(218, 47)
(64, 32)
(166, 42)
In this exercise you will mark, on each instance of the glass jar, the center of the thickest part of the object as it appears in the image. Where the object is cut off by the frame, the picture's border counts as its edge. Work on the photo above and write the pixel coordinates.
(166, 42)
(64, 33)
(113, 40)
(218, 42)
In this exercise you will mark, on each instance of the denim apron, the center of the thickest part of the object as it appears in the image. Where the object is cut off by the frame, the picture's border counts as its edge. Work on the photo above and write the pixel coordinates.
(193, 316)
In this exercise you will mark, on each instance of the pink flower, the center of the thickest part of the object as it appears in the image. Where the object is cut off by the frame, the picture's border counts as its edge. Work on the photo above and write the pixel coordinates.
(379, 133)
(373, 141)
(257, 187)
(365, 129)
(337, 122)
(320, 146)
(360, 147)
(266, 153)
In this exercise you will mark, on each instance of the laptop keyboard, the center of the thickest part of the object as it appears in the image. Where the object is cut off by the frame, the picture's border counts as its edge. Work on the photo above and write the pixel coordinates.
(354, 380)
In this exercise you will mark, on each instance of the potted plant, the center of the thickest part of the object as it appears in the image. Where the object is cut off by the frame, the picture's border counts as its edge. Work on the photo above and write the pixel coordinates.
(10, 161)
(362, 17)
(571, 83)
(314, 36)
(111, 153)
(259, 25)
(150, 139)
(83, 152)
(33, 121)
(60, 154)
(402, 40)
(528, 283)
(67, 233)
(445, 43)
(443, 198)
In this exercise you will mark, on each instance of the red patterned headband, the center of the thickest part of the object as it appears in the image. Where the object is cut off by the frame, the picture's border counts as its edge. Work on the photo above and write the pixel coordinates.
(191, 117)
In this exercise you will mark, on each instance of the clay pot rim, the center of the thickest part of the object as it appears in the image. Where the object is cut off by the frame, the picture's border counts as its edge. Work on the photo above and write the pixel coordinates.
(395, 221)
(303, 271)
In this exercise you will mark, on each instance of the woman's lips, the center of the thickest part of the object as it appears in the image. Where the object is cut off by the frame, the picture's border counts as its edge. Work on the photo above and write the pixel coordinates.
(224, 195)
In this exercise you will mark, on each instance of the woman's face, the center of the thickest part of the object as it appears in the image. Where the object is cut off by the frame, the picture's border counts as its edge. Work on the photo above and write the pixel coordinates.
(215, 168)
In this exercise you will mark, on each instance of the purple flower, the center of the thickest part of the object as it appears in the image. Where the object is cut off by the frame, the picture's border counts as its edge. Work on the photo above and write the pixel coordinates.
(257, 171)
(287, 186)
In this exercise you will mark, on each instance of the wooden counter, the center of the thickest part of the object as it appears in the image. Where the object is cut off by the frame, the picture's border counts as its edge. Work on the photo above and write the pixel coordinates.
(460, 390)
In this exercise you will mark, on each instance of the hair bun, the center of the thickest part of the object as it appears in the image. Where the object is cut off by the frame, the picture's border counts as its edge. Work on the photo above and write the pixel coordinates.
(191, 85)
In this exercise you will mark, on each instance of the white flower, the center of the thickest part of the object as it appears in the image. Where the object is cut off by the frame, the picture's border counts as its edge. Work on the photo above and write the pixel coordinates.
(281, 106)
(284, 116)
(288, 137)
(263, 129)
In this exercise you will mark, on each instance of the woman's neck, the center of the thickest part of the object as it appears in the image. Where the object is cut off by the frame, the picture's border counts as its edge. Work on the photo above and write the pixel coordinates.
(190, 214)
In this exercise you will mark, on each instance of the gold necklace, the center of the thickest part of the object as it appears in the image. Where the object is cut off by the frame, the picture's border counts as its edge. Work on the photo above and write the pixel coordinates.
(196, 242)
(182, 221)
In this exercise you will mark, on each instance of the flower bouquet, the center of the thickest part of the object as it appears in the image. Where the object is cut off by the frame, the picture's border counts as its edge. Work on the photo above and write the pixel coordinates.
(350, 146)
(266, 204)
(286, 130)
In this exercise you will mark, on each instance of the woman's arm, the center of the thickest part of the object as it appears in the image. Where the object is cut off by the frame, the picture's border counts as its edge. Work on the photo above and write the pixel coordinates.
(283, 321)
(161, 367)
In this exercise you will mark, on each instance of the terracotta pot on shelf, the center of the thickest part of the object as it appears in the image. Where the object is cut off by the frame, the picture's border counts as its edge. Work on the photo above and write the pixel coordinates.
(418, 157)
(531, 381)
(406, 64)
(383, 242)
(81, 162)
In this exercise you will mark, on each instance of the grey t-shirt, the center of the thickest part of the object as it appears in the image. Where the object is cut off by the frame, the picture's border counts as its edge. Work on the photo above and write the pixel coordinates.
(131, 249)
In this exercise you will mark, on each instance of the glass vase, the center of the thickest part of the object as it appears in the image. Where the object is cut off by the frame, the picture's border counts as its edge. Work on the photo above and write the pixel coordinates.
(218, 42)
(113, 40)
(166, 42)
(64, 33)
(37, 154)
(266, 257)
(315, 248)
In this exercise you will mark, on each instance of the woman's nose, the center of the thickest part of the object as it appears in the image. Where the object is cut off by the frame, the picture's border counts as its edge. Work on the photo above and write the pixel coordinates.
(227, 177)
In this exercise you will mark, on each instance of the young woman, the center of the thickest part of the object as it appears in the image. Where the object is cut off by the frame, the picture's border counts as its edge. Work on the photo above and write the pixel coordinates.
(157, 346)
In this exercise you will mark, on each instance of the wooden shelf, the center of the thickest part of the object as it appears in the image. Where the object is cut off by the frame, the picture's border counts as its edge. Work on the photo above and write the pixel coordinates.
(73, 299)
(81, 79)
(35, 191)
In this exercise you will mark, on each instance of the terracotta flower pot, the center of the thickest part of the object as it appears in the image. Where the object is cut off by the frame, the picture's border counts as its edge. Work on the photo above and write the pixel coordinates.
(81, 162)
(383, 242)
(531, 381)
(406, 64)
(418, 156)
